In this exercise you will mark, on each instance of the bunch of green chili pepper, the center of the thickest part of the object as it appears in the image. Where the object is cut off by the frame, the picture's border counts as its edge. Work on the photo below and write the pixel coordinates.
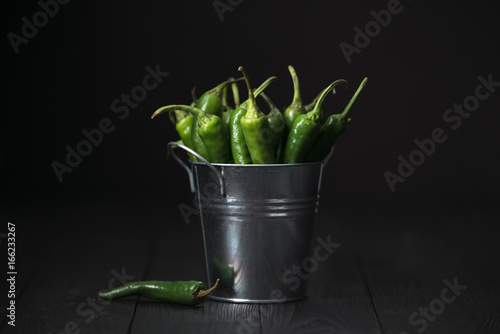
(241, 133)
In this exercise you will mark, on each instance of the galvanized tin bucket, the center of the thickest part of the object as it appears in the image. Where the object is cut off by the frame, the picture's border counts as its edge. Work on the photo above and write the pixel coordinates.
(257, 223)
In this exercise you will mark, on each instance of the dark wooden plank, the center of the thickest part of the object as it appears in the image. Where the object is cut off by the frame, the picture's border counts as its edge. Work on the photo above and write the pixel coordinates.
(405, 263)
(211, 317)
(28, 258)
(389, 264)
(90, 255)
(337, 302)
(471, 235)
(178, 255)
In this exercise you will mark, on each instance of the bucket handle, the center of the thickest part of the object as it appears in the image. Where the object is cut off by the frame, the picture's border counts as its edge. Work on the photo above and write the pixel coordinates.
(190, 172)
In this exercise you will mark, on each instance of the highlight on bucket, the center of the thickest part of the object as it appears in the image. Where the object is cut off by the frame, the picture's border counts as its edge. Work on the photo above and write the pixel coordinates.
(256, 225)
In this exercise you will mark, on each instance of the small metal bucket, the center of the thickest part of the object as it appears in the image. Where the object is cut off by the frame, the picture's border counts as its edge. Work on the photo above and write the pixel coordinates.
(257, 223)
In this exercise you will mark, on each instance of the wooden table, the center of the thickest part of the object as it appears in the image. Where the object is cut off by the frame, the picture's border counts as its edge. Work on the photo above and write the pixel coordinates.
(400, 268)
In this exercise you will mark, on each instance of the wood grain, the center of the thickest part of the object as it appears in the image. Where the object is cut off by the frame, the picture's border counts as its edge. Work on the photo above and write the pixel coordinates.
(390, 263)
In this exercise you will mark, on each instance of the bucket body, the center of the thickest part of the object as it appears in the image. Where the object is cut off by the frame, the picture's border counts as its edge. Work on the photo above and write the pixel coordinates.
(260, 230)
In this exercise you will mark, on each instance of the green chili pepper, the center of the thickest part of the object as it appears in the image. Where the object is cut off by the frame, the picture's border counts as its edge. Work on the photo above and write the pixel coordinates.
(211, 101)
(334, 126)
(296, 108)
(183, 122)
(236, 94)
(305, 131)
(180, 292)
(196, 141)
(226, 114)
(213, 133)
(210, 130)
(276, 123)
(256, 130)
(239, 148)
(322, 111)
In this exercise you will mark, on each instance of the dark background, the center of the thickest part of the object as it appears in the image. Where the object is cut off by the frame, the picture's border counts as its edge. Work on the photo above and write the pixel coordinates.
(65, 79)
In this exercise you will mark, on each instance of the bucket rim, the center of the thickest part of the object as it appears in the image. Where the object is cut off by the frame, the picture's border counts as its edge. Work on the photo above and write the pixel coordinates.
(258, 165)
(212, 166)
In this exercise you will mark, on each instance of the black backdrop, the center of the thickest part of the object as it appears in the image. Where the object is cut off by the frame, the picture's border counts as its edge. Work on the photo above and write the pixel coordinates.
(64, 80)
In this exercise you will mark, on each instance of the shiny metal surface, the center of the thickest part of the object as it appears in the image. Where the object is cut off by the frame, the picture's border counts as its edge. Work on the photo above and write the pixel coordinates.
(261, 230)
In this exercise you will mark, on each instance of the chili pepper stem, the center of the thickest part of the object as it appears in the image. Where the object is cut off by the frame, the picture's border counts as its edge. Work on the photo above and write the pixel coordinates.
(314, 114)
(264, 85)
(164, 109)
(236, 94)
(297, 97)
(203, 293)
(224, 97)
(347, 110)
(217, 90)
(193, 95)
(251, 111)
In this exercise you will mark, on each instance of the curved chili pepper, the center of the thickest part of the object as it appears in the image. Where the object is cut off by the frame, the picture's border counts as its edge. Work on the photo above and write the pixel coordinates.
(334, 126)
(276, 123)
(213, 133)
(211, 101)
(296, 108)
(236, 94)
(226, 114)
(210, 130)
(256, 130)
(322, 111)
(305, 131)
(196, 141)
(180, 292)
(239, 148)
(183, 122)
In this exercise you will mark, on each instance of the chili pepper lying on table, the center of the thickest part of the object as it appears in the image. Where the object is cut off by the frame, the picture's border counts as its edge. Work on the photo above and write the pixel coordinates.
(305, 131)
(334, 126)
(180, 292)
(256, 130)
(239, 148)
